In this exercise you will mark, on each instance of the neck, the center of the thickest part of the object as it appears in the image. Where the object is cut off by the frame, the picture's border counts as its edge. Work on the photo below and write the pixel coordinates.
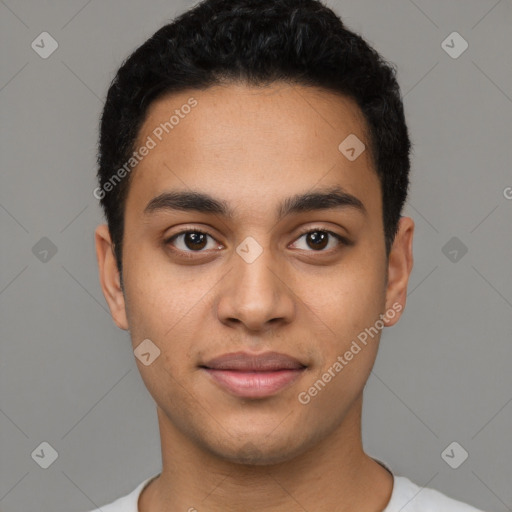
(333, 474)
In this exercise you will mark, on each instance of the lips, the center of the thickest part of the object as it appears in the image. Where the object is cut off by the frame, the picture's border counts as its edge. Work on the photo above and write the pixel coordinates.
(254, 375)
(266, 362)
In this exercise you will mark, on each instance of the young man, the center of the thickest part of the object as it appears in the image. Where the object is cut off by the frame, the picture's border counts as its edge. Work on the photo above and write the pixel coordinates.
(253, 167)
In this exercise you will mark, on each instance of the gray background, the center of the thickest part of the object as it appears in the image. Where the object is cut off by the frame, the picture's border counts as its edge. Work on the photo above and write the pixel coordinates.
(68, 375)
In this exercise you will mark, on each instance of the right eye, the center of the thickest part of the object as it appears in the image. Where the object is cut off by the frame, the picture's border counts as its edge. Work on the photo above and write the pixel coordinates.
(190, 241)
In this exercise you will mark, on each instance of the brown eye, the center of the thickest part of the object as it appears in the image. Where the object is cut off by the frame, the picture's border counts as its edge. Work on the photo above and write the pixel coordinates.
(192, 241)
(318, 240)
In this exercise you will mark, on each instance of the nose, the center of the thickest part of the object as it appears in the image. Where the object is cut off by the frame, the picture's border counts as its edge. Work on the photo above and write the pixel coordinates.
(255, 294)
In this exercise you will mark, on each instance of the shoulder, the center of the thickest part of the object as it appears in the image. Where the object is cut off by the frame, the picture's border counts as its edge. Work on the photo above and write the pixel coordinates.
(128, 503)
(409, 497)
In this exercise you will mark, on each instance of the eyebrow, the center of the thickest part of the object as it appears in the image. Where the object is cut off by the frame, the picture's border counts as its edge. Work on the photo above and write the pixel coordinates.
(334, 197)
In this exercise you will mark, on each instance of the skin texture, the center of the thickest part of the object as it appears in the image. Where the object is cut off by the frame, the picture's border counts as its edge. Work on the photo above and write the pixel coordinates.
(253, 147)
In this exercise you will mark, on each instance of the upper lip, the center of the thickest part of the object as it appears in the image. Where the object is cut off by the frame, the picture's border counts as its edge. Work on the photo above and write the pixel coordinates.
(243, 361)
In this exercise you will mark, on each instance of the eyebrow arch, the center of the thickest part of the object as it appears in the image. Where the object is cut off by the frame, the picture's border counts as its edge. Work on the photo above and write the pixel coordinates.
(334, 197)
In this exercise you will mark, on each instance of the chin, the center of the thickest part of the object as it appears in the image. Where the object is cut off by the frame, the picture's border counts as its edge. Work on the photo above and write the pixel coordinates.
(259, 451)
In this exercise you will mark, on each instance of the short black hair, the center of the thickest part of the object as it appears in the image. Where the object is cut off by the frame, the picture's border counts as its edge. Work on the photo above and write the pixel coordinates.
(255, 42)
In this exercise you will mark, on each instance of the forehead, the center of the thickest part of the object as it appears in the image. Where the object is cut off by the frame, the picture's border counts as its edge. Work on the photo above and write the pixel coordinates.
(266, 141)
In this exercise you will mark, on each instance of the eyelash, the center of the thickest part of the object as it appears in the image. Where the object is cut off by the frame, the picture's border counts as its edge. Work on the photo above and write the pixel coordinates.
(189, 254)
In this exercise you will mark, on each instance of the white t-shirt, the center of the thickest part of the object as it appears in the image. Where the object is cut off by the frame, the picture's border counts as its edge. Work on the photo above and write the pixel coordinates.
(405, 497)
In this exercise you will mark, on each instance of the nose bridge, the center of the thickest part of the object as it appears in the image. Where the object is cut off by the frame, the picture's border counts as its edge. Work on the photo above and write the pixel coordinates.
(254, 293)
(255, 276)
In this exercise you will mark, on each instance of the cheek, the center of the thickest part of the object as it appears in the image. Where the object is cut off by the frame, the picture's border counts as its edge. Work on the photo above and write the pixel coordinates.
(169, 309)
(348, 300)
(156, 299)
(347, 309)
(347, 348)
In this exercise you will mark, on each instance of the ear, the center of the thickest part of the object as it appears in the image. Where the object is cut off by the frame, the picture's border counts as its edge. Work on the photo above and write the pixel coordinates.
(400, 264)
(109, 276)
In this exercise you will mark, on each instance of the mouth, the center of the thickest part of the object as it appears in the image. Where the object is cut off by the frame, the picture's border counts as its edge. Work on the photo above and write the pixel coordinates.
(254, 375)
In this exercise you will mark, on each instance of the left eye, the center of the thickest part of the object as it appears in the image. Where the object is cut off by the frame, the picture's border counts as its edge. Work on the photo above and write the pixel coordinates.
(318, 239)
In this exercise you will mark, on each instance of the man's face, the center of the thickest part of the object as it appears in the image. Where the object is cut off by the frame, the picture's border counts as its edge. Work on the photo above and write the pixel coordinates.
(254, 282)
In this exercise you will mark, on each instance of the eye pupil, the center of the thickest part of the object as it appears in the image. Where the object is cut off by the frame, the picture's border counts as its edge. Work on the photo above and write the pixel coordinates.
(318, 238)
(195, 240)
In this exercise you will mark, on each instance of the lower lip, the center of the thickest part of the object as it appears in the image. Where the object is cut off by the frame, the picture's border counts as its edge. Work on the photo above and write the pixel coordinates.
(254, 384)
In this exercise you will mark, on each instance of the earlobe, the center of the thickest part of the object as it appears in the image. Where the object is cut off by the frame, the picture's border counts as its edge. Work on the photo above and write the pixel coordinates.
(400, 265)
(109, 276)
